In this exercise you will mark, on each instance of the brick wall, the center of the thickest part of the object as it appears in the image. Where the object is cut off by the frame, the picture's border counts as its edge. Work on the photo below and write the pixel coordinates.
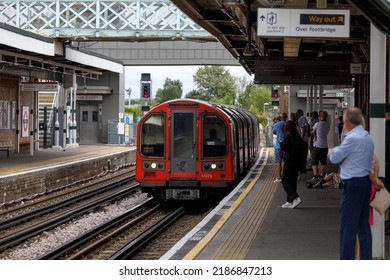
(23, 185)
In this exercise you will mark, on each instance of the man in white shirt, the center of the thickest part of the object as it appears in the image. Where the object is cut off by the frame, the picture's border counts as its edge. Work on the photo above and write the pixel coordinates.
(304, 132)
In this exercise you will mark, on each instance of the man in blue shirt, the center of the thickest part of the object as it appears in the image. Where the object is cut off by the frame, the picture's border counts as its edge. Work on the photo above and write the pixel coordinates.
(355, 156)
(279, 131)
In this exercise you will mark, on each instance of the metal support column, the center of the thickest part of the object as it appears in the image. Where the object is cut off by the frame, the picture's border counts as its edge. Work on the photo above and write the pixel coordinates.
(36, 120)
(378, 124)
(18, 121)
(31, 125)
(73, 111)
(308, 101)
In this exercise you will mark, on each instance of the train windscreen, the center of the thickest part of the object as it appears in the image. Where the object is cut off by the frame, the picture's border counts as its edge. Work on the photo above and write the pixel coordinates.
(152, 136)
(214, 136)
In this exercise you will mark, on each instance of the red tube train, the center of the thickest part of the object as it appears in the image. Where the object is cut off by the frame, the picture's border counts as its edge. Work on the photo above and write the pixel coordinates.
(188, 149)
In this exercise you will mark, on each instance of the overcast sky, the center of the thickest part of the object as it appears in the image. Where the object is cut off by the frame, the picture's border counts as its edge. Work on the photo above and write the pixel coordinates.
(159, 73)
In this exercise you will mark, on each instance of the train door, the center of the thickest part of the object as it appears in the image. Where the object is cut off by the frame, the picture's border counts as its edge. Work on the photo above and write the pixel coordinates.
(89, 126)
(183, 144)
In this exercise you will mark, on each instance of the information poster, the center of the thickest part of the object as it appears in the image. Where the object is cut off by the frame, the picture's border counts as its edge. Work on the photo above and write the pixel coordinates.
(13, 115)
(6, 124)
(25, 121)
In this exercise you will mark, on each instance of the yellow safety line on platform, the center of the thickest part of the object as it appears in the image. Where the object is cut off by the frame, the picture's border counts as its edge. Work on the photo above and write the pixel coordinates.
(238, 243)
(199, 247)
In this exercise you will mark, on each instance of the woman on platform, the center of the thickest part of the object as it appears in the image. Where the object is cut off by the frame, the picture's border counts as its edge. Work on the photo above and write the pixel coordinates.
(291, 146)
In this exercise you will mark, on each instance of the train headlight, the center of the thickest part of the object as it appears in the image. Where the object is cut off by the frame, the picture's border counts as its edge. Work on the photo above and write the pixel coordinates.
(153, 165)
(215, 166)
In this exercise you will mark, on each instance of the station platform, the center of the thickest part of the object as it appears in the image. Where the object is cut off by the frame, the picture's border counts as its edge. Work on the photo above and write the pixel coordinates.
(250, 223)
(44, 158)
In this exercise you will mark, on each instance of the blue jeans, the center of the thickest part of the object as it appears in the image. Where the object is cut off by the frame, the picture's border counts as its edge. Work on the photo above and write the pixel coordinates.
(354, 214)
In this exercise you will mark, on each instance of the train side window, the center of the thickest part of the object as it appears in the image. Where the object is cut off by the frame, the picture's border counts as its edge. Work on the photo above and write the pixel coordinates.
(214, 136)
(152, 136)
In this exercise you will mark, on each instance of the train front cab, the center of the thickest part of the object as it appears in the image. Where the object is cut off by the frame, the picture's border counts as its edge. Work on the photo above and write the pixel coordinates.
(178, 158)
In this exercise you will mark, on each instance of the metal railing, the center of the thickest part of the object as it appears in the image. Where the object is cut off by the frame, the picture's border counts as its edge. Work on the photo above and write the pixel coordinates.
(99, 18)
(125, 135)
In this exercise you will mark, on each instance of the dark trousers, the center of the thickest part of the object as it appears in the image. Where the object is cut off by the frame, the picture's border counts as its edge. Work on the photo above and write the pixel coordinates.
(303, 159)
(289, 180)
(354, 214)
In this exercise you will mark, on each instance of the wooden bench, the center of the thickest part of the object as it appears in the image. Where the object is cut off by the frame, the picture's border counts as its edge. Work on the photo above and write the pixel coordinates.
(5, 146)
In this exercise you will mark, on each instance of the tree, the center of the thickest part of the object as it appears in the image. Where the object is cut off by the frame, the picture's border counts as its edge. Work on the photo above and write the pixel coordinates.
(194, 94)
(214, 83)
(135, 110)
(172, 89)
(253, 99)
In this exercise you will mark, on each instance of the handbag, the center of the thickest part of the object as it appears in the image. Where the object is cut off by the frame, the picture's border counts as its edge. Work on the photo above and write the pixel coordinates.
(381, 202)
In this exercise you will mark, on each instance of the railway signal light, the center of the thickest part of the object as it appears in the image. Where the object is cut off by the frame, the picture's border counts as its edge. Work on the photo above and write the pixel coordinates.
(275, 92)
(145, 90)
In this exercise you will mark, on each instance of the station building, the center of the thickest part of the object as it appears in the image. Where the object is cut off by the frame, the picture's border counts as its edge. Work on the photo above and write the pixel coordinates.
(52, 93)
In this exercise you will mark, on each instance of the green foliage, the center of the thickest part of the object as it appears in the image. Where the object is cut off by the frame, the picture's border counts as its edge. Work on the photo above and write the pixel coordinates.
(172, 89)
(132, 102)
(135, 110)
(253, 99)
(194, 94)
(214, 83)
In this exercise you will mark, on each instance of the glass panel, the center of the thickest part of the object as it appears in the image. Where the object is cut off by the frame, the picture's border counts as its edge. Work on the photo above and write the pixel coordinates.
(214, 136)
(85, 116)
(183, 135)
(94, 116)
(152, 136)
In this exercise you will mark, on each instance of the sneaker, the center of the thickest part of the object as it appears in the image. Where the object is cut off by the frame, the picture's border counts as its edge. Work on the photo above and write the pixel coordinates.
(312, 180)
(277, 180)
(287, 205)
(318, 185)
(296, 202)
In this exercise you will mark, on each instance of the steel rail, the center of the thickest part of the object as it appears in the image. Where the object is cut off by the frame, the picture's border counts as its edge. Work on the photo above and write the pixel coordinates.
(22, 235)
(82, 239)
(17, 220)
(133, 246)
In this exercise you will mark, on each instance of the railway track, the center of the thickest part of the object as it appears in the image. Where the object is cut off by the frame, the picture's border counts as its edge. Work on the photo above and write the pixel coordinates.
(78, 247)
(121, 237)
(57, 196)
(16, 236)
(132, 234)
